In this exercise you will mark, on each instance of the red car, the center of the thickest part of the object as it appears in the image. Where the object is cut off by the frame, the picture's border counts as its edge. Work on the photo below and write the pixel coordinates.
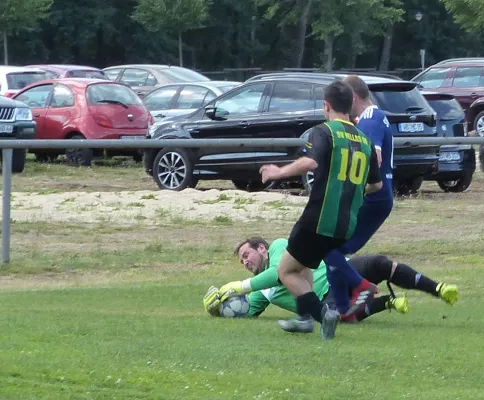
(81, 108)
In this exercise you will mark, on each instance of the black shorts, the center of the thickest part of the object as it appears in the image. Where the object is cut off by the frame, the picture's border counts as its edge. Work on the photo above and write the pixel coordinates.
(309, 248)
(375, 268)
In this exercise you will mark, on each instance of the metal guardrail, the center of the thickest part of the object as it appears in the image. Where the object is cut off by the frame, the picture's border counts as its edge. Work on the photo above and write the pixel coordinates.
(7, 147)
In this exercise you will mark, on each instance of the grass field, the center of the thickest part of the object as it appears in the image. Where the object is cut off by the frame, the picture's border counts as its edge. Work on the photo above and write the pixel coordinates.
(114, 311)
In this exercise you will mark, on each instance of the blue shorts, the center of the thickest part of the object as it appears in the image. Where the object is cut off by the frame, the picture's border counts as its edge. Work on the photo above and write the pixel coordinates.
(371, 216)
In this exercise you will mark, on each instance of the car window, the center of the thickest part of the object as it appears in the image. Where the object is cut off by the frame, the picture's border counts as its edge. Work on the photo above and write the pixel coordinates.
(191, 97)
(112, 73)
(62, 97)
(243, 101)
(291, 97)
(151, 80)
(467, 77)
(86, 74)
(210, 96)
(179, 74)
(104, 93)
(134, 77)
(447, 109)
(319, 97)
(36, 97)
(434, 78)
(399, 100)
(18, 80)
(160, 99)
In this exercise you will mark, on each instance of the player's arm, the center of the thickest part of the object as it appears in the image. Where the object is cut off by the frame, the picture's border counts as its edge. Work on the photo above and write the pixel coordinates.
(374, 182)
(258, 303)
(375, 131)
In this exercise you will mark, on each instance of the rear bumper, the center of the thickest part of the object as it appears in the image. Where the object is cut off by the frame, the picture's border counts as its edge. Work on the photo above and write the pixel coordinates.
(454, 169)
(21, 130)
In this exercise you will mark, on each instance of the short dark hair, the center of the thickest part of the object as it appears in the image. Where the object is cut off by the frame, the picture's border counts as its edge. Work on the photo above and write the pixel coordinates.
(358, 85)
(254, 242)
(340, 96)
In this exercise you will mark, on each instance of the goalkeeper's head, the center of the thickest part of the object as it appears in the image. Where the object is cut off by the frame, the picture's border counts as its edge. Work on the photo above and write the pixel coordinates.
(253, 254)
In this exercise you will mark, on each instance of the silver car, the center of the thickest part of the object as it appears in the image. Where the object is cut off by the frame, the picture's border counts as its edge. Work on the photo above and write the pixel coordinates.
(143, 78)
(184, 98)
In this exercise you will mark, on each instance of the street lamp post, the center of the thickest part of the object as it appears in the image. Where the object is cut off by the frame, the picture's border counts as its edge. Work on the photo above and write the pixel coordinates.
(419, 17)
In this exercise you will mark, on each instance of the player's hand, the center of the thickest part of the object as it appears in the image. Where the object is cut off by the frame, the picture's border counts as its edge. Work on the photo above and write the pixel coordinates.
(231, 289)
(269, 172)
(211, 301)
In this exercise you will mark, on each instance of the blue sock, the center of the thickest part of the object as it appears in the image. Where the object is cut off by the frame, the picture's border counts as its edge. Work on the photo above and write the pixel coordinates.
(339, 289)
(336, 259)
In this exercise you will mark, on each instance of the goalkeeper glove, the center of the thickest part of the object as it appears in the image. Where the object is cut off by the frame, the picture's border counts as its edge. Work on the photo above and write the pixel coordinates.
(232, 289)
(211, 301)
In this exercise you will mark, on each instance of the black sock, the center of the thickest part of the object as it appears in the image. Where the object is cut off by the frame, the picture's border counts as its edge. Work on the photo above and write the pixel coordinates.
(407, 278)
(375, 306)
(309, 303)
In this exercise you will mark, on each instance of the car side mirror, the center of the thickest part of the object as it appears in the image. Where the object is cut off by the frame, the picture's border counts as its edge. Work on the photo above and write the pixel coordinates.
(216, 114)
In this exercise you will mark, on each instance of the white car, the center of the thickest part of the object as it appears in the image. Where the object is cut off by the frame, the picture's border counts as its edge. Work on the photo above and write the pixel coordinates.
(12, 79)
(184, 98)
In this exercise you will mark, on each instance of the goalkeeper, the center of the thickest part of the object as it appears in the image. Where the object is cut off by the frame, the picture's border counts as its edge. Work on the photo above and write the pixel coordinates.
(262, 261)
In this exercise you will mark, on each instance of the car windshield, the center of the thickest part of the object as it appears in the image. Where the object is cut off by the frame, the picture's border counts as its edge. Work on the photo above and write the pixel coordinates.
(175, 74)
(18, 80)
(111, 92)
(399, 100)
(447, 109)
(87, 74)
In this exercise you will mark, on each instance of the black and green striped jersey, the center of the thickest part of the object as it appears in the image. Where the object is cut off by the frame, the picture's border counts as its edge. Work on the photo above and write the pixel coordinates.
(347, 161)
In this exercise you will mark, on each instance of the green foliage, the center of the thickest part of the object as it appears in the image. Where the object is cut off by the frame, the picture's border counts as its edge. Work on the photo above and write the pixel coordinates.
(18, 15)
(467, 13)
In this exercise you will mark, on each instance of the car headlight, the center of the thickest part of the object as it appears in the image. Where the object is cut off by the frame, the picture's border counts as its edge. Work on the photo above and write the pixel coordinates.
(23, 114)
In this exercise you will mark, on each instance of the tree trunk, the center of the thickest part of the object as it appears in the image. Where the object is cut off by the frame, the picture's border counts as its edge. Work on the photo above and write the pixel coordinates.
(5, 48)
(386, 50)
(328, 52)
(303, 24)
(355, 39)
(180, 48)
(252, 38)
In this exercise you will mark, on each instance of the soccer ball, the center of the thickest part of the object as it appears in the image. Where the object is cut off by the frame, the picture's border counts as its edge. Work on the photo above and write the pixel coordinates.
(234, 307)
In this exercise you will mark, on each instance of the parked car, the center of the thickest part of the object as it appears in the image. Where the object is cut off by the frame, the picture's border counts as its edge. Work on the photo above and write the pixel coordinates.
(80, 108)
(16, 123)
(70, 71)
(143, 78)
(457, 163)
(181, 98)
(464, 79)
(13, 79)
(281, 106)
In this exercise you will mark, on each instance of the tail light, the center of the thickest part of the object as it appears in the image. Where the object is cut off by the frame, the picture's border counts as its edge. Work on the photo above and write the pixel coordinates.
(102, 120)
(151, 120)
(9, 94)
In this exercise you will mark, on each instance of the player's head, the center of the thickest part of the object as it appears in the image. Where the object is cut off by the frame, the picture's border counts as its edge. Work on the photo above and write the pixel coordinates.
(253, 255)
(338, 100)
(361, 94)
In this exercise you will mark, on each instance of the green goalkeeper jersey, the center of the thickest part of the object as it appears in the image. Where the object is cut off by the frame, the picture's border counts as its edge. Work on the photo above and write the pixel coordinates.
(266, 288)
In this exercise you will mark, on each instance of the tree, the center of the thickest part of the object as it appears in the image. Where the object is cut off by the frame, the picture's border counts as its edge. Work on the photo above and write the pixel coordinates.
(18, 15)
(467, 13)
(173, 16)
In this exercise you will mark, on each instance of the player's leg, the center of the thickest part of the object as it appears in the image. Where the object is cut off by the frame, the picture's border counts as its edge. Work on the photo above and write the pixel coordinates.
(383, 303)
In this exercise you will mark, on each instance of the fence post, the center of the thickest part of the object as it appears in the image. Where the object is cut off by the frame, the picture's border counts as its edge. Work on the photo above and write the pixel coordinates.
(6, 196)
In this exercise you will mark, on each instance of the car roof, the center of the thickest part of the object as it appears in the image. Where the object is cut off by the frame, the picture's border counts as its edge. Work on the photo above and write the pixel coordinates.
(206, 84)
(75, 82)
(155, 66)
(12, 68)
(459, 61)
(66, 67)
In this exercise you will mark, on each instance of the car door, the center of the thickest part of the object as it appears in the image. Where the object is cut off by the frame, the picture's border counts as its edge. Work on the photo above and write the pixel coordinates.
(38, 98)
(140, 80)
(288, 113)
(239, 111)
(160, 103)
(113, 73)
(60, 111)
(466, 85)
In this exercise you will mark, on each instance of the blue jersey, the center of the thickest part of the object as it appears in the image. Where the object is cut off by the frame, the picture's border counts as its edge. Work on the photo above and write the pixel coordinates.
(376, 127)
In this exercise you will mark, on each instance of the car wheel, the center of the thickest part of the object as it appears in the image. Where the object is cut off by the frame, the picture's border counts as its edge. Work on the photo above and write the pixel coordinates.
(173, 169)
(79, 156)
(18, 160)
(254, 186)
(479, 124)
(408, 186)
(138, 157)
(456, 186)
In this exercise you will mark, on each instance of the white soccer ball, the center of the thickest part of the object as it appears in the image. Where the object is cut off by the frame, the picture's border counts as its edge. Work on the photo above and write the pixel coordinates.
(234, 307)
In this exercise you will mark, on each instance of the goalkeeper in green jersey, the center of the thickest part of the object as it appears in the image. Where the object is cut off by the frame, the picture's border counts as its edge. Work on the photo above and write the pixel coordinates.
(264, 288)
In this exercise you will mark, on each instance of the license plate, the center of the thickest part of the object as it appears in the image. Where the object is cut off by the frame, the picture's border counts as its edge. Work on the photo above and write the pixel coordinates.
(449, 156)
(4, 128)
(410, 127)
(137, 137)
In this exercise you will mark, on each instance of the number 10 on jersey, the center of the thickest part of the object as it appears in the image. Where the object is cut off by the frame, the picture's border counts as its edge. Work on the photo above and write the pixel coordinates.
(357, 167)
